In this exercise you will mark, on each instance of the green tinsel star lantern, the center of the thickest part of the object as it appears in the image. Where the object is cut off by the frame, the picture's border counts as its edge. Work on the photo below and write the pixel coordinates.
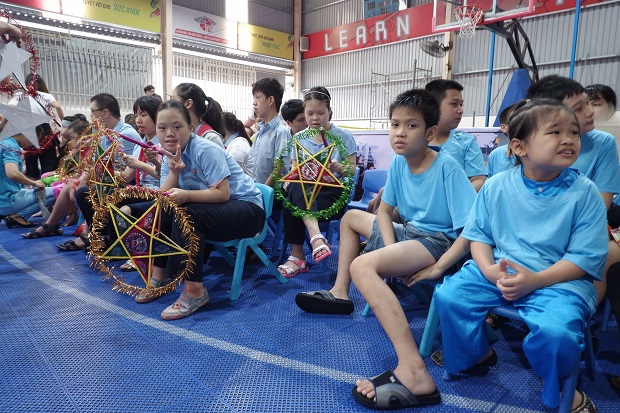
(312, 173)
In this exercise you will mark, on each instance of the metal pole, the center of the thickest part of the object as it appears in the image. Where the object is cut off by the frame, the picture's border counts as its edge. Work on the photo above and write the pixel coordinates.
(575, 38)
(490, 82)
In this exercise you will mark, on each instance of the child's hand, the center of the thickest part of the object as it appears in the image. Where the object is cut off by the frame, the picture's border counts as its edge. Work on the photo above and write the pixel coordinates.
(333, 166)
(178, 195)
(151, 155)
(175, 163)
(432, 272)
(130, 161)
(495, 272)
(520, 284)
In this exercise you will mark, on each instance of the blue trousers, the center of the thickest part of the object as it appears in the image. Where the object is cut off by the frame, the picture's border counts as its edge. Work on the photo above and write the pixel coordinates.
(556, 319)
(25, 203)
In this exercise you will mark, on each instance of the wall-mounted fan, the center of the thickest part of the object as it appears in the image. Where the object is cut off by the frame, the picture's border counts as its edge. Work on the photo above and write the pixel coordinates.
(434, 48)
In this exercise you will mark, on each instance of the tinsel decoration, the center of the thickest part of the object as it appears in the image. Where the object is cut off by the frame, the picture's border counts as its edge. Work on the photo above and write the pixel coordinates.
(44, 145)
(9, 88)
(312, 172)
(140, 239)
(78, 157)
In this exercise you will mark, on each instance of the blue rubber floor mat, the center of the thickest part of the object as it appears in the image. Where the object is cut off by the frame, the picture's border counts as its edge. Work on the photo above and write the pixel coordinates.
(70, 344)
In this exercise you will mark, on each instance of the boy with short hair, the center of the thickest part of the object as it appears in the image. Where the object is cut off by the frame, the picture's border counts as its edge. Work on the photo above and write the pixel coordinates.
(272, 135)
(500, 159)
(432, 193)
(461, 145)
(434, 197)
(293, 114)
(598, 159)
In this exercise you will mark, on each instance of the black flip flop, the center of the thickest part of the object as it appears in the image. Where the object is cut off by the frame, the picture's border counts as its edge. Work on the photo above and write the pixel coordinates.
(323, 302)
(390, 394)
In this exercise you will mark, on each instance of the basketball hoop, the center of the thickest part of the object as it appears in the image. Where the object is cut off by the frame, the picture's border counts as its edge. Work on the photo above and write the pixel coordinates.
(468, 18)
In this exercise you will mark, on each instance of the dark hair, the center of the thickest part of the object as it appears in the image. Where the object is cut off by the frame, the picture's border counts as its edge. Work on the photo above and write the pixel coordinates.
(79, 126)
(604, 92)
(322, 94)
(232, 124)
(554, 87)
(527, 115)
(439, 87)
(206, 108)
(421, 101)
(39, 83)
(270, 87)
(109, 102)
(148, 87)
(291, 108)
(80, 116)
(504, 116)
(179, 107)
(148, 104)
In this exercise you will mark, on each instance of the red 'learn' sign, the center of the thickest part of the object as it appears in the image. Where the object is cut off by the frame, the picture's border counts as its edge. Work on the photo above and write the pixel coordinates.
(387, 28)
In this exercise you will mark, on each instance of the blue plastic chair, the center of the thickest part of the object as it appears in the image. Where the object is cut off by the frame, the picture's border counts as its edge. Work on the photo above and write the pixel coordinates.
(509, 311)
(242, 245)
(372, 182)
(606, 315)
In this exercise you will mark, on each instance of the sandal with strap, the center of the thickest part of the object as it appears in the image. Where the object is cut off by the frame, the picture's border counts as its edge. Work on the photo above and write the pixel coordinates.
(128, 266)
(289, 272)
(49, 231)
(586, 406)
(72, 246)
(325, 248)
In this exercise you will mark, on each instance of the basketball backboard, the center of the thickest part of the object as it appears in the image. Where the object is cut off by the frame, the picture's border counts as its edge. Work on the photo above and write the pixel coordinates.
(494, 11)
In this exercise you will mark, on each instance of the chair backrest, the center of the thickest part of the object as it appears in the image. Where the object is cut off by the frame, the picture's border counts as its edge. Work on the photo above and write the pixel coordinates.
(267, 193)
(372, 182)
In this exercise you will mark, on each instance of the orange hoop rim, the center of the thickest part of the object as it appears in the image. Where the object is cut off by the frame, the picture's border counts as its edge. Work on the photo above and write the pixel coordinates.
(473, 12)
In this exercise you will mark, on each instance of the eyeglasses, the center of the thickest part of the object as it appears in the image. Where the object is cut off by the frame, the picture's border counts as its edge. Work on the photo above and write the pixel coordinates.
(96, 110)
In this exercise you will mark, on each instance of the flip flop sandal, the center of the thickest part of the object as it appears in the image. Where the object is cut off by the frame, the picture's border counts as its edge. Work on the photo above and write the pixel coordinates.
(72, 246)
(325, 248)
(323, 302)
(490, 361)
(391, 394)
(290, 272)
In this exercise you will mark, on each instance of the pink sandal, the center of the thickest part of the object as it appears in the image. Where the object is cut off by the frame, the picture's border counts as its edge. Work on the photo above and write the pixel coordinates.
(288, 272)
(325, 248)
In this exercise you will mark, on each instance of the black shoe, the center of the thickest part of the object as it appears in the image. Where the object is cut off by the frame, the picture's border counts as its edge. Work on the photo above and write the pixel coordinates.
(12, 222)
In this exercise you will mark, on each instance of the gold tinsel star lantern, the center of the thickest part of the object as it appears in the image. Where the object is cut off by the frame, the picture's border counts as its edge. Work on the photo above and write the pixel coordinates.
(312, 172)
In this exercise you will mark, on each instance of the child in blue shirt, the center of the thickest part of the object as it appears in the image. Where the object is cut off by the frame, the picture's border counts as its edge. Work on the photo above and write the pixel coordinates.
(17, 203)
(500, 159)
(222, 200)
(434, 196)
(461, 145)
(538, 240)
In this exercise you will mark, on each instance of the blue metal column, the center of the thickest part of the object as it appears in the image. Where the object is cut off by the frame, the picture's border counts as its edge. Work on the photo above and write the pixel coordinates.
(490, 82)
(575, 38)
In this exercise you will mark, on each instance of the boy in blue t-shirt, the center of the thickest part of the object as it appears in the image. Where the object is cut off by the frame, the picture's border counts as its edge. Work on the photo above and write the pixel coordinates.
(461, 145)
(434, 197)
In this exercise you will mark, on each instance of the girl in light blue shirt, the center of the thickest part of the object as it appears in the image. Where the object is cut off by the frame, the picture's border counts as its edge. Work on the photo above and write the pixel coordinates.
(539, 239)
(222, 201)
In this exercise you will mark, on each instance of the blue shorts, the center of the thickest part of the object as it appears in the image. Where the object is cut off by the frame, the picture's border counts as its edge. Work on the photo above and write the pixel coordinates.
(437, 243)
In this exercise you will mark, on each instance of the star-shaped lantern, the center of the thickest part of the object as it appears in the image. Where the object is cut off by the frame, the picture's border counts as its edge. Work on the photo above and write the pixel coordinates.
(140, 240)
(13, 59)
(102, 176)
(21, 119)
(312, 172)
